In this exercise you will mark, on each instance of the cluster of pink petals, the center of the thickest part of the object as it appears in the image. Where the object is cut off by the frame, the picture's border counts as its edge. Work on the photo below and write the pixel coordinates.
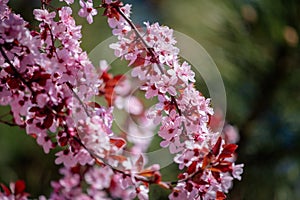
(48, 81)
(182, 112)
(87, 11)
(37, 79)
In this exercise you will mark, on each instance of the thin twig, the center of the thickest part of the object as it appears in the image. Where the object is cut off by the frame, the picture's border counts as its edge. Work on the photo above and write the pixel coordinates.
(16, 72)
(139, 35)
(77, 97)
(149, 49)
(8, 123)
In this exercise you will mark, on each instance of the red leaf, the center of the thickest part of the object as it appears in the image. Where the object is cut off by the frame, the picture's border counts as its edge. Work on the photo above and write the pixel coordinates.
(63, 141)
(20, 187)
(216, 176)
(181, 176)
(43, 79)
(93, 104)
(118, 142)
(119, 158)
(220, 196)
(224, 166)
(216, 148)
(110, 84)
(206, 160)
(44, 35)
(9, 70)
(13, 83)
(48, 121)
(139, 61)
(34, 109)
(6, 190)
(147, 173)
(113, 82)
(228, 150)
(198, 178)
(192, 168)
(163, 185)
(105, 76)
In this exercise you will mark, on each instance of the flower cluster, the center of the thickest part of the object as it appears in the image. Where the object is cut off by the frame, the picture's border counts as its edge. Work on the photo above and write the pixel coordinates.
(49, 81)
(15, 191)
(38, 78)
(182, 112)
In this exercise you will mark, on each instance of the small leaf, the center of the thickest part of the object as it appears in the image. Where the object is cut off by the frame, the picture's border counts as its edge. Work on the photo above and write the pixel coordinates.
(20, 187)
(6, 190)
(13, 83)
(48, 121)
(206, 160)
(224, 166)
(34, 109)
(220, 196)
(216, 148)
(93, 104)
(228, 150)
(118, 142)
(192, 168)
(119, 158)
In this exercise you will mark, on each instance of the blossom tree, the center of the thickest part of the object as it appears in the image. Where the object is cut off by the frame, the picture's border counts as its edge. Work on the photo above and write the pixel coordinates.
(51, 87)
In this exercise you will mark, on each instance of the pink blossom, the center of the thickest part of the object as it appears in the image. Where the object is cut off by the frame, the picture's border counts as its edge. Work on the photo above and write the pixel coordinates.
(83, 157)
(66, 158)
(231, 134)
(65, 16)
(184, 72)
(226, 182)
(173, 120)
(237, 170)
(45, 141)
(68, 1)
(93, 134)
(167, 84)
(12, 27)
(3, 8)
(43, 15)
(99, 177)
(143, 192)
(87, 11)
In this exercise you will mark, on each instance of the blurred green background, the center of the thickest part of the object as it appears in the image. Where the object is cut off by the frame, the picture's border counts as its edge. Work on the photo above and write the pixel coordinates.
(255, 44)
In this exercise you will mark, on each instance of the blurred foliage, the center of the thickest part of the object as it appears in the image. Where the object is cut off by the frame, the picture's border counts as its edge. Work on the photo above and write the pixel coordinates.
(255, 44)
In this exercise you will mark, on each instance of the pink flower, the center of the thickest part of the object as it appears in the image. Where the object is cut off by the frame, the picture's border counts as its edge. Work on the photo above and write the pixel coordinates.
(226, 182)
(237, 170)
(65, 15)
(231, 134)
(45, 141)
(94, 135)
(184, 72)
(43, 15)
(142, 192)
(87, 10)
(12, 28)
(167, 83)
(99, 177)
(68, 1)
(65, 157)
